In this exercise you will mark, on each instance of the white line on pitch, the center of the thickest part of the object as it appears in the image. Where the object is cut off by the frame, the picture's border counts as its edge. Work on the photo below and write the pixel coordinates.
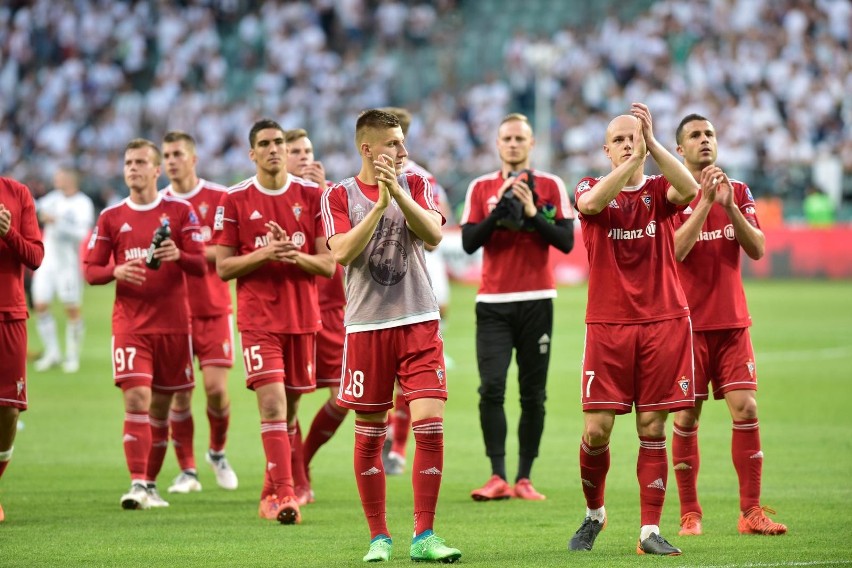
(775, 564)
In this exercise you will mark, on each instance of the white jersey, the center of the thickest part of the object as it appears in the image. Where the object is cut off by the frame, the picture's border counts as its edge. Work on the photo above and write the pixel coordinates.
(73, 218)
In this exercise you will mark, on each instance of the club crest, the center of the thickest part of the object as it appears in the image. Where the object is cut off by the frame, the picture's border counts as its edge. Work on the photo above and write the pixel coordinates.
(750, 366)
(646, 199)
(203, 207)
(297, 210)
(684, 384)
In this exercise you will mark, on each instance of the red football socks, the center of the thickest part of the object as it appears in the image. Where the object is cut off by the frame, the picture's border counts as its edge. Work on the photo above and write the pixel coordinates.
(137, 444)
(159, 446)
(183, 430)
(401, 422)
(594, 465)
(276, 447)
(297, 462)
(748, 461)
(370, 475)
(686, 461)
(427, 470)
(652, 470)
(219, 420)
(328, 419)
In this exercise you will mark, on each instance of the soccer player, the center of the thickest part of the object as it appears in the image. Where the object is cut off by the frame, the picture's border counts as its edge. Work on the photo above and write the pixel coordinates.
(393, 452)
(720, 221)
(377, 224)
(269, 238)
(638, 349)
(20, 246)
(212, 329)
(67, 215)
(151, 343)
(514, 305)
(329, 355)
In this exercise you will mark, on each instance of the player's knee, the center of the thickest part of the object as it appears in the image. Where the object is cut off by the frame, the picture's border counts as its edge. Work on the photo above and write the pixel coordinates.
(744, 409)
(182, 400)
(687, 418)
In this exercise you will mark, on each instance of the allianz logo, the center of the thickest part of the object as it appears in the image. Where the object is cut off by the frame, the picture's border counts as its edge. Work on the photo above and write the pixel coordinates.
(134, 253)
(727, 232)
(630, 234)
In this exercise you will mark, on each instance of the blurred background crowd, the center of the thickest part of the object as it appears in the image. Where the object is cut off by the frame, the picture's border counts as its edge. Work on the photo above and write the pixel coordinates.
(80, 78)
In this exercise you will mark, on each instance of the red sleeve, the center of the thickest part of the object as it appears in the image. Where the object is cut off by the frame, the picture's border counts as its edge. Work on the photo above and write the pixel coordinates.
(97, 267)
(226, 230)
(192, 259)
(26, 243)
(745, 201)
(335, 211)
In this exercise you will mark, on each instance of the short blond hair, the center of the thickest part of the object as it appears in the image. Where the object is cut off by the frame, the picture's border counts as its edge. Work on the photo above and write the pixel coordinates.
(145, 143)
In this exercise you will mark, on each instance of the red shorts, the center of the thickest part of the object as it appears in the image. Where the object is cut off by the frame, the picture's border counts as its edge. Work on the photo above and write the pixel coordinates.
(724, 358)
(648, 365)
(276, 357)
(13, 363)
(373, 360)
(330, 348)
(162, 362)
(213, 341)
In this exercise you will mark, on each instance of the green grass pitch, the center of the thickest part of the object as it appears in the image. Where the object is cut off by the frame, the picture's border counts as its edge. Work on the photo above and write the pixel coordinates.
(62, 489)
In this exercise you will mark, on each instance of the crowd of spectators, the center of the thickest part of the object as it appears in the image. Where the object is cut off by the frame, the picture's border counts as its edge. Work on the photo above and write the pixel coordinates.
(79, 79)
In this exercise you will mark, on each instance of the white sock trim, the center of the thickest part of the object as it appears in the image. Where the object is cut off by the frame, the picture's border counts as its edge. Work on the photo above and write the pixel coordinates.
(7, 455)
(648, 530)
(596, 514)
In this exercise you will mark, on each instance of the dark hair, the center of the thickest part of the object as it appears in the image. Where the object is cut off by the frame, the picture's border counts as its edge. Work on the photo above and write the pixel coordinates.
(179, 136)
(262, 124)
(403, 115)
(374, 119)
(145, 143)
(687, 119)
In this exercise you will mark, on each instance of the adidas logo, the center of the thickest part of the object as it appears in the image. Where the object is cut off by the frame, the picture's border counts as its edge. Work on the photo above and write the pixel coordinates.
(125, 228)
(588, 483)
(431, 471)
(129, 438)
(682, 466)
(757, 456)
(270, 466)
(255, 215)
(372, 471)
(657, 484)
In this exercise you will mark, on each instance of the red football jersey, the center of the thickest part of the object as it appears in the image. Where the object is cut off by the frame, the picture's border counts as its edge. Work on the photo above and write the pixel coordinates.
(710, 273)
(123, 233)
(277, 297)
(632, 267)
(510, 254)
(20, 247)
(210, 296)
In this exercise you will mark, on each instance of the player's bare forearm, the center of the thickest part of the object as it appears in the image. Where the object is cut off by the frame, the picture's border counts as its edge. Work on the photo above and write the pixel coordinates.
(594, 201)
(687, 234)
(210, 253)
(321, 264)
(345, 247)
(683, 187)
(751, 239)
(424, 223)
(230, 266)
